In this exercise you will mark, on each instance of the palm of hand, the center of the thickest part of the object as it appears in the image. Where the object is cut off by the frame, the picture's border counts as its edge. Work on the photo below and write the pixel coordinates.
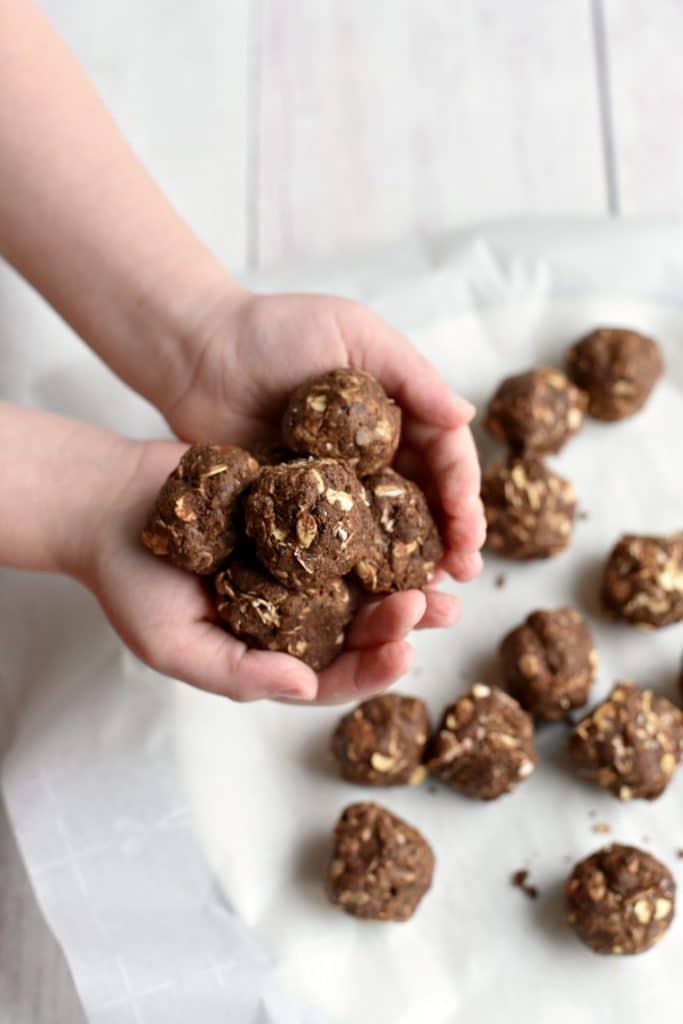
(239, 390)
(167, 617)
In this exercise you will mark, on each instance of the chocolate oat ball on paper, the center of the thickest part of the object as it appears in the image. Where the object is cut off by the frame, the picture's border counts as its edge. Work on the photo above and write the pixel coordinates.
(195, 519)
(407, 545)
(535, 412)
(344, 414)
(549, 662)
(643, 580)
(382, 741)
(630, 744)
(381, 867)
(620, 900)
(308, 624)
(617, 369)
(529, 509)
(309, 519)
(484, 745)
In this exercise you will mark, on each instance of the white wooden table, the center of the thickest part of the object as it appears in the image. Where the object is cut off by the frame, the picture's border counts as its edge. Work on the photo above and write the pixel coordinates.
(290, 129)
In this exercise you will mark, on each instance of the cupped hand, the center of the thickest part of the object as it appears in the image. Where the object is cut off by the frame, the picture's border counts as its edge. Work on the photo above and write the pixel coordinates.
(254, 350)
(168, 619)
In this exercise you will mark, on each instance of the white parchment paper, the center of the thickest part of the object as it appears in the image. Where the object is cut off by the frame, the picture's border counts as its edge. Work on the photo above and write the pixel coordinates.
(124, 841)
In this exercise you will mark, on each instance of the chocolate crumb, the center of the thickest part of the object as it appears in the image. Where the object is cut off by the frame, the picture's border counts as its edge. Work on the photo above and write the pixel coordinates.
(435, 789)
(583, 513)
(679, 853)
(500, 581)
(519, 880)
(601, 827)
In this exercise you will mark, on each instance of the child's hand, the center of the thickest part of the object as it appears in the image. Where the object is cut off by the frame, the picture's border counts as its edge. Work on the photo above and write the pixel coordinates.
(76, 205)
(254, 350)
(167, 617)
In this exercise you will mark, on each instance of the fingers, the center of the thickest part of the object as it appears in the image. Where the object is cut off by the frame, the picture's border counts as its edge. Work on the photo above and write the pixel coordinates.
(465, 531)
(423, 393)
(451, 459)
(407, 376)
(387, 619)
(206, 656)
(442, 610)
(393, 617)
(361, 673)
(463, 567)
(356, 675)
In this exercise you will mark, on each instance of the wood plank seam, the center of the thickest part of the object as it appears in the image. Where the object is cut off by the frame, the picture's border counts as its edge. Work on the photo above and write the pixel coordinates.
(253, 132)
(605, 106)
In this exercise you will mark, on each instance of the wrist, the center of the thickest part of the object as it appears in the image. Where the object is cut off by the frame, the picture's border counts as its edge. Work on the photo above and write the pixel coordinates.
(97, 475)
(204, 338)
(120, 491)
(59, 476)
(180, 325)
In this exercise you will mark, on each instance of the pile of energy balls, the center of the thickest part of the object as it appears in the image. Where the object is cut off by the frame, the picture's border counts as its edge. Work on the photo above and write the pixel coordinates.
(279, 534)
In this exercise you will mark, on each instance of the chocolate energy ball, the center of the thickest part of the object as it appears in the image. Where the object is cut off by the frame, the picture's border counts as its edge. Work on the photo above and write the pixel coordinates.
(309, 519)
(643, 580)
(536, 412)
(484, 745)
(195, 519)
(382, 741)
(620, 900)
(529, 509)
(407, 545)
(344, 414)
(381, 867)
(549, 662)
(630, 744)
(617, 369)
(308, 624)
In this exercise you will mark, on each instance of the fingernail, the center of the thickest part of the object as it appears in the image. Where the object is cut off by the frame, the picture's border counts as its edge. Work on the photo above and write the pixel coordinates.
(297, 695)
